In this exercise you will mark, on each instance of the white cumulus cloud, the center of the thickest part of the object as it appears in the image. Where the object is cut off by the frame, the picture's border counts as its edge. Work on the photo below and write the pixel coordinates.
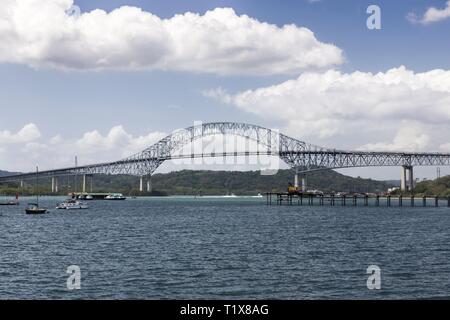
(41, 33)
(21, 151)
(410, 137)
(335, 105)
(431, 15)
(28, 133)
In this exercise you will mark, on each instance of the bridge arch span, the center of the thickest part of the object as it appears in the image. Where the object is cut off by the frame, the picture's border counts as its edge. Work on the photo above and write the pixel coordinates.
(296, 154)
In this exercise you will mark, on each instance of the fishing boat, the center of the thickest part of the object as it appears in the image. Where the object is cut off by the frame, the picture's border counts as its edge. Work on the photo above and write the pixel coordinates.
(72, 204)
(33, 208)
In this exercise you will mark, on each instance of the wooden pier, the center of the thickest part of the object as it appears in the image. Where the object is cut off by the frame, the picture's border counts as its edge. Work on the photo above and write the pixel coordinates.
(310, 199)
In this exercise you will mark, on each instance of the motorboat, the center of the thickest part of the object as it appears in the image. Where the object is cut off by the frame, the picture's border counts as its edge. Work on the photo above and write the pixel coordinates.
(115, 196)
(72, 204)
(33, 208)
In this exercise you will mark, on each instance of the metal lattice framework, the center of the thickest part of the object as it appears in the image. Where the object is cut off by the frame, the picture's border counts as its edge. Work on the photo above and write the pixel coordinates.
(295, 153)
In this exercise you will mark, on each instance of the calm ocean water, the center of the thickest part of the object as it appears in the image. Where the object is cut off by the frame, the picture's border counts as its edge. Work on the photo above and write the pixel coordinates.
(234, 248)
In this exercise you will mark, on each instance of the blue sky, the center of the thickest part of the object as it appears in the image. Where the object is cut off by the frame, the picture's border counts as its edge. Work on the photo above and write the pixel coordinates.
(71, 103)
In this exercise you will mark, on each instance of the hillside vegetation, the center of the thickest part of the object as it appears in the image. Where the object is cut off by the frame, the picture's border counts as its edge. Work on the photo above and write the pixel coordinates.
(440, 187)
(189, 182)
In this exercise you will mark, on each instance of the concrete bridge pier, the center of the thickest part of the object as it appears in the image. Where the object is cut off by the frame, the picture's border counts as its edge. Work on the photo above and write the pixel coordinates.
(149, 183)
(84, 183)
(141, 184)
(304, 186)
(407, 178)
(297, 181)
(54, 184)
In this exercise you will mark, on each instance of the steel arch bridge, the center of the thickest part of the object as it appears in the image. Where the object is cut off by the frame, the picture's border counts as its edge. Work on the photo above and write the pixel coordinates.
(299, 155)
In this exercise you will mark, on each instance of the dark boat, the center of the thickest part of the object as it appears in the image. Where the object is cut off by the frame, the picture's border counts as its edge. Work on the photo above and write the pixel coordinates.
(33, 208)
(9, 203)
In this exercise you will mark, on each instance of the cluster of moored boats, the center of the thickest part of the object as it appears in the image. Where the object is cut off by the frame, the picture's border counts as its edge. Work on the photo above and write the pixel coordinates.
(69, 204)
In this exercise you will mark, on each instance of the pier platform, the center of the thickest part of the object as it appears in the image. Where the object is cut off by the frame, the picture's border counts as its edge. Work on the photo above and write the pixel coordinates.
(309, 199)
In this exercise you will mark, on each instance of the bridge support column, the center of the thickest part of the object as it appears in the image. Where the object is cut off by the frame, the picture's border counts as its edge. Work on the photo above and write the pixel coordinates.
(84, 183)
(403, 178)
(407, 178)
(411, 179)
(55, 184)
(141, 184)
(149, 184)
(296, 178)
(304, 186)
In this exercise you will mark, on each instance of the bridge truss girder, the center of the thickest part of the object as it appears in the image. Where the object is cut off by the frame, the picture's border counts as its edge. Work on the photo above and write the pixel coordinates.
(295, 153)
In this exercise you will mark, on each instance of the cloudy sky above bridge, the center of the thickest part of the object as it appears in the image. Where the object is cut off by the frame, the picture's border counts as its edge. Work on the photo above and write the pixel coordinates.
(103, 79)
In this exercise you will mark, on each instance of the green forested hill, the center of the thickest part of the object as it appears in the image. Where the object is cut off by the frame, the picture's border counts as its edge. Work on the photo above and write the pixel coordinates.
(440, 187)
(189, 182)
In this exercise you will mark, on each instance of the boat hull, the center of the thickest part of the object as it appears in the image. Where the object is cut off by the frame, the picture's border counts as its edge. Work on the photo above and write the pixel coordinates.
(73, 208)
(35, 211)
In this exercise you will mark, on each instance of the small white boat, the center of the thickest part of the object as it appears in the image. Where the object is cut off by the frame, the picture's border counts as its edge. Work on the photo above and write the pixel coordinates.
(72, 204)
(115, 196)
